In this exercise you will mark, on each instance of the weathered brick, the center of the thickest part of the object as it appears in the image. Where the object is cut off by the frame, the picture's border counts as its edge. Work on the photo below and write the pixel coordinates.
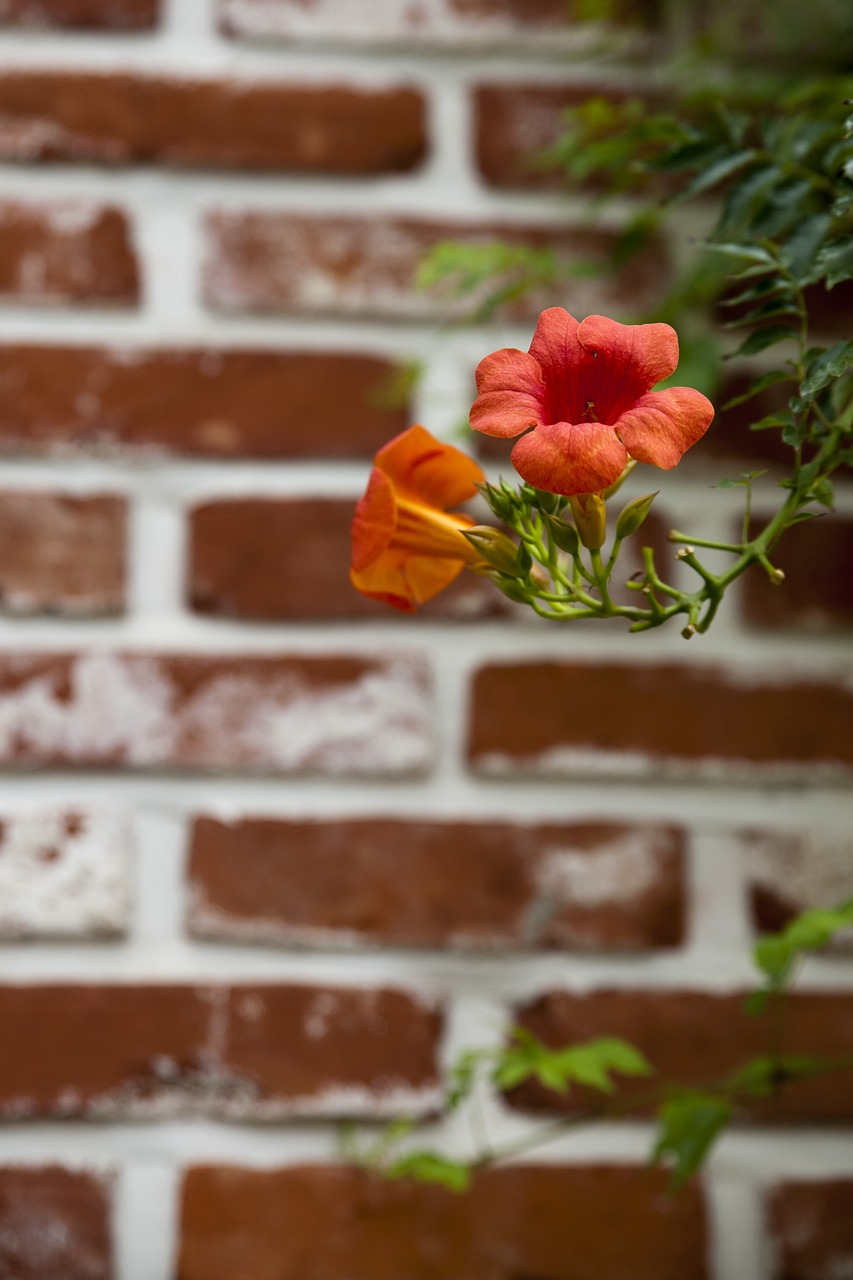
(314, 1222)
(288, 560)
(692, 1037)
(515, 123)
(449, 23)
(431, 884)
(61, 252)
(197, 401)
(124, 118)
(817, 594)
(106, 15)
(284, 262)
(810, 1230)
(792, 871)
(63, 873)
(54, 1224)
(247, 1052)
(326, 714)
(570, 718)
(62, 554)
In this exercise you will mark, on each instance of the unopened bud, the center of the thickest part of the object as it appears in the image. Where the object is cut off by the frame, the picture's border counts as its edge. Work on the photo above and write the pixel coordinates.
(777, 577)
(633, 514)
(498, 501)
(496, 548)
(591, 519)
(620, 480)
(565, 535)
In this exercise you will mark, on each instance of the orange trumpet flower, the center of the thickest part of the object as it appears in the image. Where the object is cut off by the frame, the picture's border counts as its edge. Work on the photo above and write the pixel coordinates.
(582, 397)
(406, 545)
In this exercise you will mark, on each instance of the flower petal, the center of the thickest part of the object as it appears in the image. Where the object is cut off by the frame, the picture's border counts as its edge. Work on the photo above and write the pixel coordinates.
(629, 360)
(663, 425)
(374, 521)
(405, 581)
(428, 470)
(569, 458)
(512, 394)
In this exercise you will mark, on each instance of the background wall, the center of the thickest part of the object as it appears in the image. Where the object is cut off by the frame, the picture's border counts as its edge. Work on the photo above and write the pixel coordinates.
(270, 854)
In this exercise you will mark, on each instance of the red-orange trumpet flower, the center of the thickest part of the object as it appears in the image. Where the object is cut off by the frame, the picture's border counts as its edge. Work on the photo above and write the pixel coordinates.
(406, 545)
(582, 396)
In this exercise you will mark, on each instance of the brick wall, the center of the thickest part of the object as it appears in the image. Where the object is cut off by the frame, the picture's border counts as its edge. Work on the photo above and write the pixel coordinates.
(270, 855)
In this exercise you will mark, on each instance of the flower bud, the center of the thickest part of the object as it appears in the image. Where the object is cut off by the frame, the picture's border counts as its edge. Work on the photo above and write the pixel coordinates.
(633, 514)
(496, 548)
(591, 519)
(565, 535)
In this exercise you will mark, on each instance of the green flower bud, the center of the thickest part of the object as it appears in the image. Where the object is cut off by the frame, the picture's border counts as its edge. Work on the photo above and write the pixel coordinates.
(633, 514)
(565, 535)
(591, 519)
(497, 549)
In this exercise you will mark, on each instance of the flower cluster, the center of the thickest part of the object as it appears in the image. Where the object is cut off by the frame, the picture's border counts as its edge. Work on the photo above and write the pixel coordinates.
(582, 403)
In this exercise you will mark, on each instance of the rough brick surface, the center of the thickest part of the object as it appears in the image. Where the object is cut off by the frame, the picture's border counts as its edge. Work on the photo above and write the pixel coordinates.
(692, 1036)
(515, 123)
(62, 252)
(445, 23)
(427, 884)
(107, 15)
(54, 1225)
(245, 1052)
(810, 1225)
(817, 594)
(562, 719)
(288, 560)
(283, 262)
(117, 119)
(348, 715)
(315, 1222)
(791, 871)
(61, 554)
(63, 873)
(205, 402)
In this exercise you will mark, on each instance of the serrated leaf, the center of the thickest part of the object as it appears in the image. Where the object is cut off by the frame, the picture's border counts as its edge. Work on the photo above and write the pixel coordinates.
(773, 420)
(775, 954)
(825, 367)
(591, 1064)
(715, 172)
(690, 1122)
(761, 339)
(749, 252)
(429, 1166)
(757, 386)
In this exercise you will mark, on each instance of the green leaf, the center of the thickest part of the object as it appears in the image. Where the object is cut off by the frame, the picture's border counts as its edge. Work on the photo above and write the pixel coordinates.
(761, 1077)
(776, 954)
(591, 1064)
(690, 1122)
(757, 386)
(463, 1076)
(824, 367)
(715, 172)
(835, 261)
(783, 419)
(429, 1166)
(763, 338)
(750, 252)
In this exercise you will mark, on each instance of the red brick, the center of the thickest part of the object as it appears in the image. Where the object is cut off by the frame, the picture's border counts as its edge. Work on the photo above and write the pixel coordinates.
(792, 871)
(62, 252)
(288, 560)
(315, 1222)
(817, 594)
(810, 1226)
(106, 15)
(54, 1225)
(691, 1037)
(283, 262)
(241, 1052)
(431, 884)
(60, 554)
(569, 718)
(124, 118)
(453, 23)
(204, 402)
(64, 873)
(515, 123)
(323, 714)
